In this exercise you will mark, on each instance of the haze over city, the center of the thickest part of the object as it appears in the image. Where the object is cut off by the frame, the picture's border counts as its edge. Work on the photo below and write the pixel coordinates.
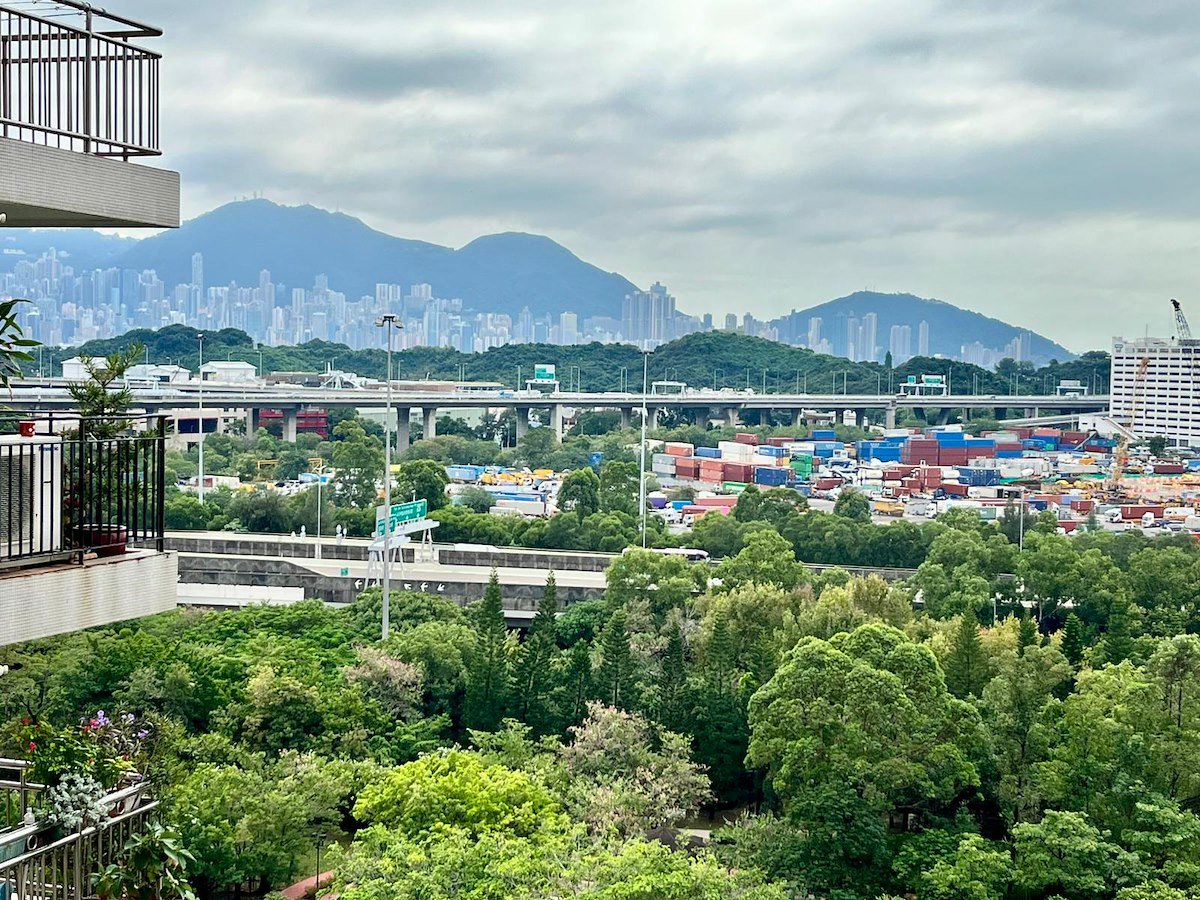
(1023, 162)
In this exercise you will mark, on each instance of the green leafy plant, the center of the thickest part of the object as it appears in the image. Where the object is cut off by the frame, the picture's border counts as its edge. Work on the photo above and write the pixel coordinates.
(12, 343)
(153, 865)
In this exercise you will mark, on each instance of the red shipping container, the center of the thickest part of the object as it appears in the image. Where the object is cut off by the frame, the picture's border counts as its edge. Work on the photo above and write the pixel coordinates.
(744, 438)
(739, 472)
(680, 449)
(1084, 506)
(1168, 468)
(726, 500)
(779, 441)
(954, 490)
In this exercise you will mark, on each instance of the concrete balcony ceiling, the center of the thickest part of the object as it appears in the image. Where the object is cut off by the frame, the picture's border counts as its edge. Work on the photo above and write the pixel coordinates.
(45, 187)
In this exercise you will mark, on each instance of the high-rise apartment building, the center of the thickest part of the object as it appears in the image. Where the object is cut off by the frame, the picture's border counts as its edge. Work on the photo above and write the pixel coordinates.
(1164, 399)
(900, 343)
(814, 332)
(923, 338)
(731, 322)
(648, 317)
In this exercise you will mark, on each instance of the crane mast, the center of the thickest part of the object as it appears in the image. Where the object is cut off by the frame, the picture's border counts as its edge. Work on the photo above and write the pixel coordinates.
(1181, 323)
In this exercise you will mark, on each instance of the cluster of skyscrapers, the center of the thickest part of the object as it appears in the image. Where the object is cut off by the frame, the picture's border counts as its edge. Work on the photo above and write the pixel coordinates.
(69, 307)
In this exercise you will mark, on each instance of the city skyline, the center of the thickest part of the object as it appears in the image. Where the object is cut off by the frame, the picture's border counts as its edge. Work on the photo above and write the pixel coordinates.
(68, 308)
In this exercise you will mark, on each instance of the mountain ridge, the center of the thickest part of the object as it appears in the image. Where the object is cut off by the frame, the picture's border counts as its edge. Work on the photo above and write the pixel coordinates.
(493, 273)
(951, 327)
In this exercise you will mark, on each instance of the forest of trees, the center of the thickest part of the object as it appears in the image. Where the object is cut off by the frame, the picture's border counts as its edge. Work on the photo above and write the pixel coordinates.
(719, 359)
(1004, 724)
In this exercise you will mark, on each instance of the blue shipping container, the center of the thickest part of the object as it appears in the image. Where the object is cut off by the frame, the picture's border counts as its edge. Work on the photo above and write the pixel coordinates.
(772, 476)
(708, 453)
(824, 435)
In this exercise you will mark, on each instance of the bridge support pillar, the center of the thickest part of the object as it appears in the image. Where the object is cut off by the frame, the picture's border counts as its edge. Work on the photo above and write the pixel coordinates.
(428, 422)
(860, 418)
(731, 416)
(403, 435)
(700, 418)
(290, 421)
(252, 420)
(556, 420)
(943, 416)
(797, 417)
(522, 413)
(889, 417)
(1031, 412)
(626, 418)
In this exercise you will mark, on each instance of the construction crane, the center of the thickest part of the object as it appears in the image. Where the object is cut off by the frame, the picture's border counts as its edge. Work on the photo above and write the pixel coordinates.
(1121, 452)
(1181, 323)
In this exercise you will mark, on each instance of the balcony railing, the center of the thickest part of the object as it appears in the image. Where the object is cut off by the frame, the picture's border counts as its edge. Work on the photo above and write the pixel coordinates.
(64, 496)
(38, 861)
(69, 78)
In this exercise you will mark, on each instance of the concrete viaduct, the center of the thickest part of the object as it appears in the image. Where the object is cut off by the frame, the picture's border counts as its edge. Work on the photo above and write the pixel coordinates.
(699, 406)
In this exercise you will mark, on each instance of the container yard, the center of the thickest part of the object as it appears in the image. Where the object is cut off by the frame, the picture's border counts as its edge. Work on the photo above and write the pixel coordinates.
(915, 474)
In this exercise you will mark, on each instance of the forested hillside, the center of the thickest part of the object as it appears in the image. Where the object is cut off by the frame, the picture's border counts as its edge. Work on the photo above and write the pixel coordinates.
(720, 358)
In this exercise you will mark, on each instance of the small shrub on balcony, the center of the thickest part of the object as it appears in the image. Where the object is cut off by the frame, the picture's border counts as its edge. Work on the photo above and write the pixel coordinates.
(76, 802)
(101, 748)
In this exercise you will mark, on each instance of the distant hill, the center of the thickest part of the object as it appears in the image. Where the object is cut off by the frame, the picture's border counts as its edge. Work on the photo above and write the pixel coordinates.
(79, 248)
(950, 327)
(495, 273)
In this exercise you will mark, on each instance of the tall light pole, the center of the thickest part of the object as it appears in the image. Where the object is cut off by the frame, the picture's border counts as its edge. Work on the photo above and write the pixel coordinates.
(200, 410)
(391, 323)
(642, 452)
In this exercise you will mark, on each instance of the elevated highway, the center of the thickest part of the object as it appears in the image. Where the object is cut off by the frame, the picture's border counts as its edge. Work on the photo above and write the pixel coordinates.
(699, 406)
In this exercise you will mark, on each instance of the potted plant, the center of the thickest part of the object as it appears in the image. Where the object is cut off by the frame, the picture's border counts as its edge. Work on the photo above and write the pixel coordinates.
(102, 400)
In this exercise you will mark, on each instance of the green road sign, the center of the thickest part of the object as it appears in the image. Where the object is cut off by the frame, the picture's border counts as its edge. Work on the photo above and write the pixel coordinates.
(401, 513)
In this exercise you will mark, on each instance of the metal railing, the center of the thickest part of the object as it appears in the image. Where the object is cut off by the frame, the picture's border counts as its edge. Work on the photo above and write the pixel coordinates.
(65, 496)
(69, 78)
(37, 861)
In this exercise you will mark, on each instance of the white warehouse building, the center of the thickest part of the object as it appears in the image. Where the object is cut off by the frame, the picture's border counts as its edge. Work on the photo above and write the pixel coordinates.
(1155, 388)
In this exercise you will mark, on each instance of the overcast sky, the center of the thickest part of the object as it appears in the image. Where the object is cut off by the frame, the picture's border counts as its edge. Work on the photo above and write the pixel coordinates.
(1033, 161)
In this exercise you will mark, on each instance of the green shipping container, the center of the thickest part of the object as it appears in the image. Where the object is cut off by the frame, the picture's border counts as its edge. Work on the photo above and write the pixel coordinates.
(733, 487)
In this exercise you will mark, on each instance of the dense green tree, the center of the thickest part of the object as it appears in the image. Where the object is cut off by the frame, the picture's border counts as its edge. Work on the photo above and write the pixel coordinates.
(1073, 643)
(476, 499)
(618, 488)
(869, 711)
(1012, 707)
(488, 677)
(421, 479)
(968, 669)
(766, 559)
(1027, 633)
(580, 493)
(853, 504)
(535, 664)
(358, 459)
(670, 705)
(1064, 855)
(615, 681)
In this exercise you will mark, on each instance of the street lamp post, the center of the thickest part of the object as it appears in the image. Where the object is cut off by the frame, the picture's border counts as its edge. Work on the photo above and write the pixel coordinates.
(200, 411)
(642, 452)
(391, 323)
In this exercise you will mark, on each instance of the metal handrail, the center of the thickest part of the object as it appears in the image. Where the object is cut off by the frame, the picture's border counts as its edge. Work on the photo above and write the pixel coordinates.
(85, 89)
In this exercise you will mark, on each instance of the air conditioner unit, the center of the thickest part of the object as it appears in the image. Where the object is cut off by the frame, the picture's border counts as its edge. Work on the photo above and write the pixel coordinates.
(31, 507)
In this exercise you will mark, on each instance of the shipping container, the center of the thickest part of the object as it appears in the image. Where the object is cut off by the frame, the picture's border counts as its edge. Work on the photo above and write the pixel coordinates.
(708, 452)
(746, 438)
(717, 500)
(677, 449)
(772, 476)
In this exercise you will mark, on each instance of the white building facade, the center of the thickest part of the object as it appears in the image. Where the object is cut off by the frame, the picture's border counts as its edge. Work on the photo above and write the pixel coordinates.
(1165, 400)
